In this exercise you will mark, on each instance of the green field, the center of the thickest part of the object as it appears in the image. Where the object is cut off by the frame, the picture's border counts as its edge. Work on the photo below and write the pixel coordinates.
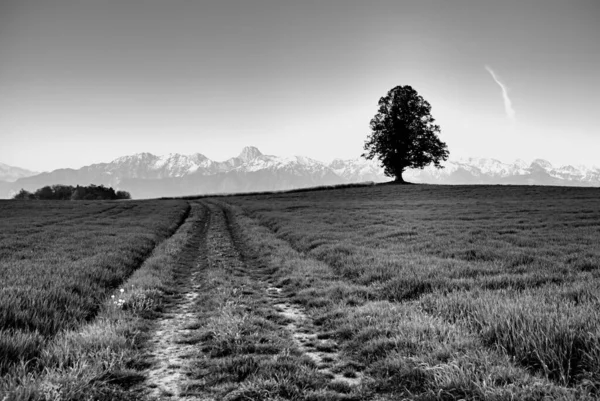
(381, 292)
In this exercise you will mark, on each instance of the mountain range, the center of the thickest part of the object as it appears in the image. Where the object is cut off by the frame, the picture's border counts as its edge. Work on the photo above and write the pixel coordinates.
(145, 175)
(11, 174)
(491, 171)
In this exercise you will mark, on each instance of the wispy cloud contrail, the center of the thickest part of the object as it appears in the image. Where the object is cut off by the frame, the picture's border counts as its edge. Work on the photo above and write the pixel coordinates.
(510, 112)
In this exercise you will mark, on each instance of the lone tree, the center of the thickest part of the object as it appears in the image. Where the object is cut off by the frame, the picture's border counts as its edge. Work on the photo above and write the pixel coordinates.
(403, 134)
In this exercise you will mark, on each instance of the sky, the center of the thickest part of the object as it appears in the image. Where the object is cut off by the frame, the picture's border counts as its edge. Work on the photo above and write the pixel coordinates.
(87, 81)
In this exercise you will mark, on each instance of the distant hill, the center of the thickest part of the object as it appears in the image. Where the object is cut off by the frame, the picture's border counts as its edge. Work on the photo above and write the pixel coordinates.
(11, 173)
(145, 175)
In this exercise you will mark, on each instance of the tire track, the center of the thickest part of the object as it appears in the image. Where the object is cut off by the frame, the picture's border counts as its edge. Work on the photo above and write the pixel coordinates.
(321, 349)
(178, 355)
(169, 353)
(324, 352)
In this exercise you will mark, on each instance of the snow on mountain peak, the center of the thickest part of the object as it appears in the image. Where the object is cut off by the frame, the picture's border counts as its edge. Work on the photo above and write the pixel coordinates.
(139, 157)
(264, 162)
(303, 171)
(358, 170)
(249, 153)
(545, 164)
(520, 163)
(198, 157)
(306, 160)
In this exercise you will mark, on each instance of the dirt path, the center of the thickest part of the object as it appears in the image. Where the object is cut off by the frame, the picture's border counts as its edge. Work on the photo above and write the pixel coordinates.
(169, 353)
(218, 247)
(323, 351)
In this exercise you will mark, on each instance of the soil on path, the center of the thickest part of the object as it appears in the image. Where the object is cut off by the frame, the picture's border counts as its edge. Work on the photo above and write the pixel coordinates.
(218, 245)
(169, 353)
(323, 351)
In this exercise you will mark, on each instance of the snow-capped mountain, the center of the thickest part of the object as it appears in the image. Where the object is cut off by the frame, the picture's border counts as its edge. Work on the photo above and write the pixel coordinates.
(295, 165)
(147, 165)
(491, 171)
(358, 170)
(146, 175)
(250, 171)
(248, 154)
(11, 173)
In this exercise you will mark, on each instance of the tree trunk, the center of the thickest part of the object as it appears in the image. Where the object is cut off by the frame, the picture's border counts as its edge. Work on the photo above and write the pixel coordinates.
(399, 179)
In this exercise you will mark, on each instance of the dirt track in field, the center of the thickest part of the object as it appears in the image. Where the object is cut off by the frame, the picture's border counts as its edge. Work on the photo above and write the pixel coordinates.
(169, 354)
(218, 245)
(324, 352)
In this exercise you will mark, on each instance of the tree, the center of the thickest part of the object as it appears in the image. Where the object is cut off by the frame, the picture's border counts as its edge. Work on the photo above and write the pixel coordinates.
(403, 134)
(45, 193)
(62, 192)
(78, 193)
(66, 192)
(24, 195)
(123, 195)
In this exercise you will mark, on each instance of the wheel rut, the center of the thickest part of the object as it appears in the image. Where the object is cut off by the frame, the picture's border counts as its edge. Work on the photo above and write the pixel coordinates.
(217, 246)
(169, 353)
(323, 351)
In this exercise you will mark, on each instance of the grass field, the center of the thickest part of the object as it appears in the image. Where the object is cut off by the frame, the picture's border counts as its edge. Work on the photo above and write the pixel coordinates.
(59, 261)
(420, 274)
(364, 293)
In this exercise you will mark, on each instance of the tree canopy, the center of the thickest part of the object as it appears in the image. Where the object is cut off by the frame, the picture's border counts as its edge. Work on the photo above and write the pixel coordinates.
(68, 192)
(403, 134)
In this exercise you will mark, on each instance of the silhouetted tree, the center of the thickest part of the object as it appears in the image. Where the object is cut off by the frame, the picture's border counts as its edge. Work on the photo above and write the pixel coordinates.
(62, 192)
(66, 192)
(403, 134)
(44, 193)
(123, 195)
(78, 193)
(24, 195)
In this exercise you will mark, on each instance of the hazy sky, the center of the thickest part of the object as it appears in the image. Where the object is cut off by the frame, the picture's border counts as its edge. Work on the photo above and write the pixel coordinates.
(86, 81)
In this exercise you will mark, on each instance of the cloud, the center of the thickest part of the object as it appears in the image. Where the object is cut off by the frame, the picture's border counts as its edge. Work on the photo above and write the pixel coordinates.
(510, 112)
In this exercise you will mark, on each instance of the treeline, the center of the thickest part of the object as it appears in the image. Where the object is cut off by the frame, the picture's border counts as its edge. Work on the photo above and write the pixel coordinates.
(68, 192)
